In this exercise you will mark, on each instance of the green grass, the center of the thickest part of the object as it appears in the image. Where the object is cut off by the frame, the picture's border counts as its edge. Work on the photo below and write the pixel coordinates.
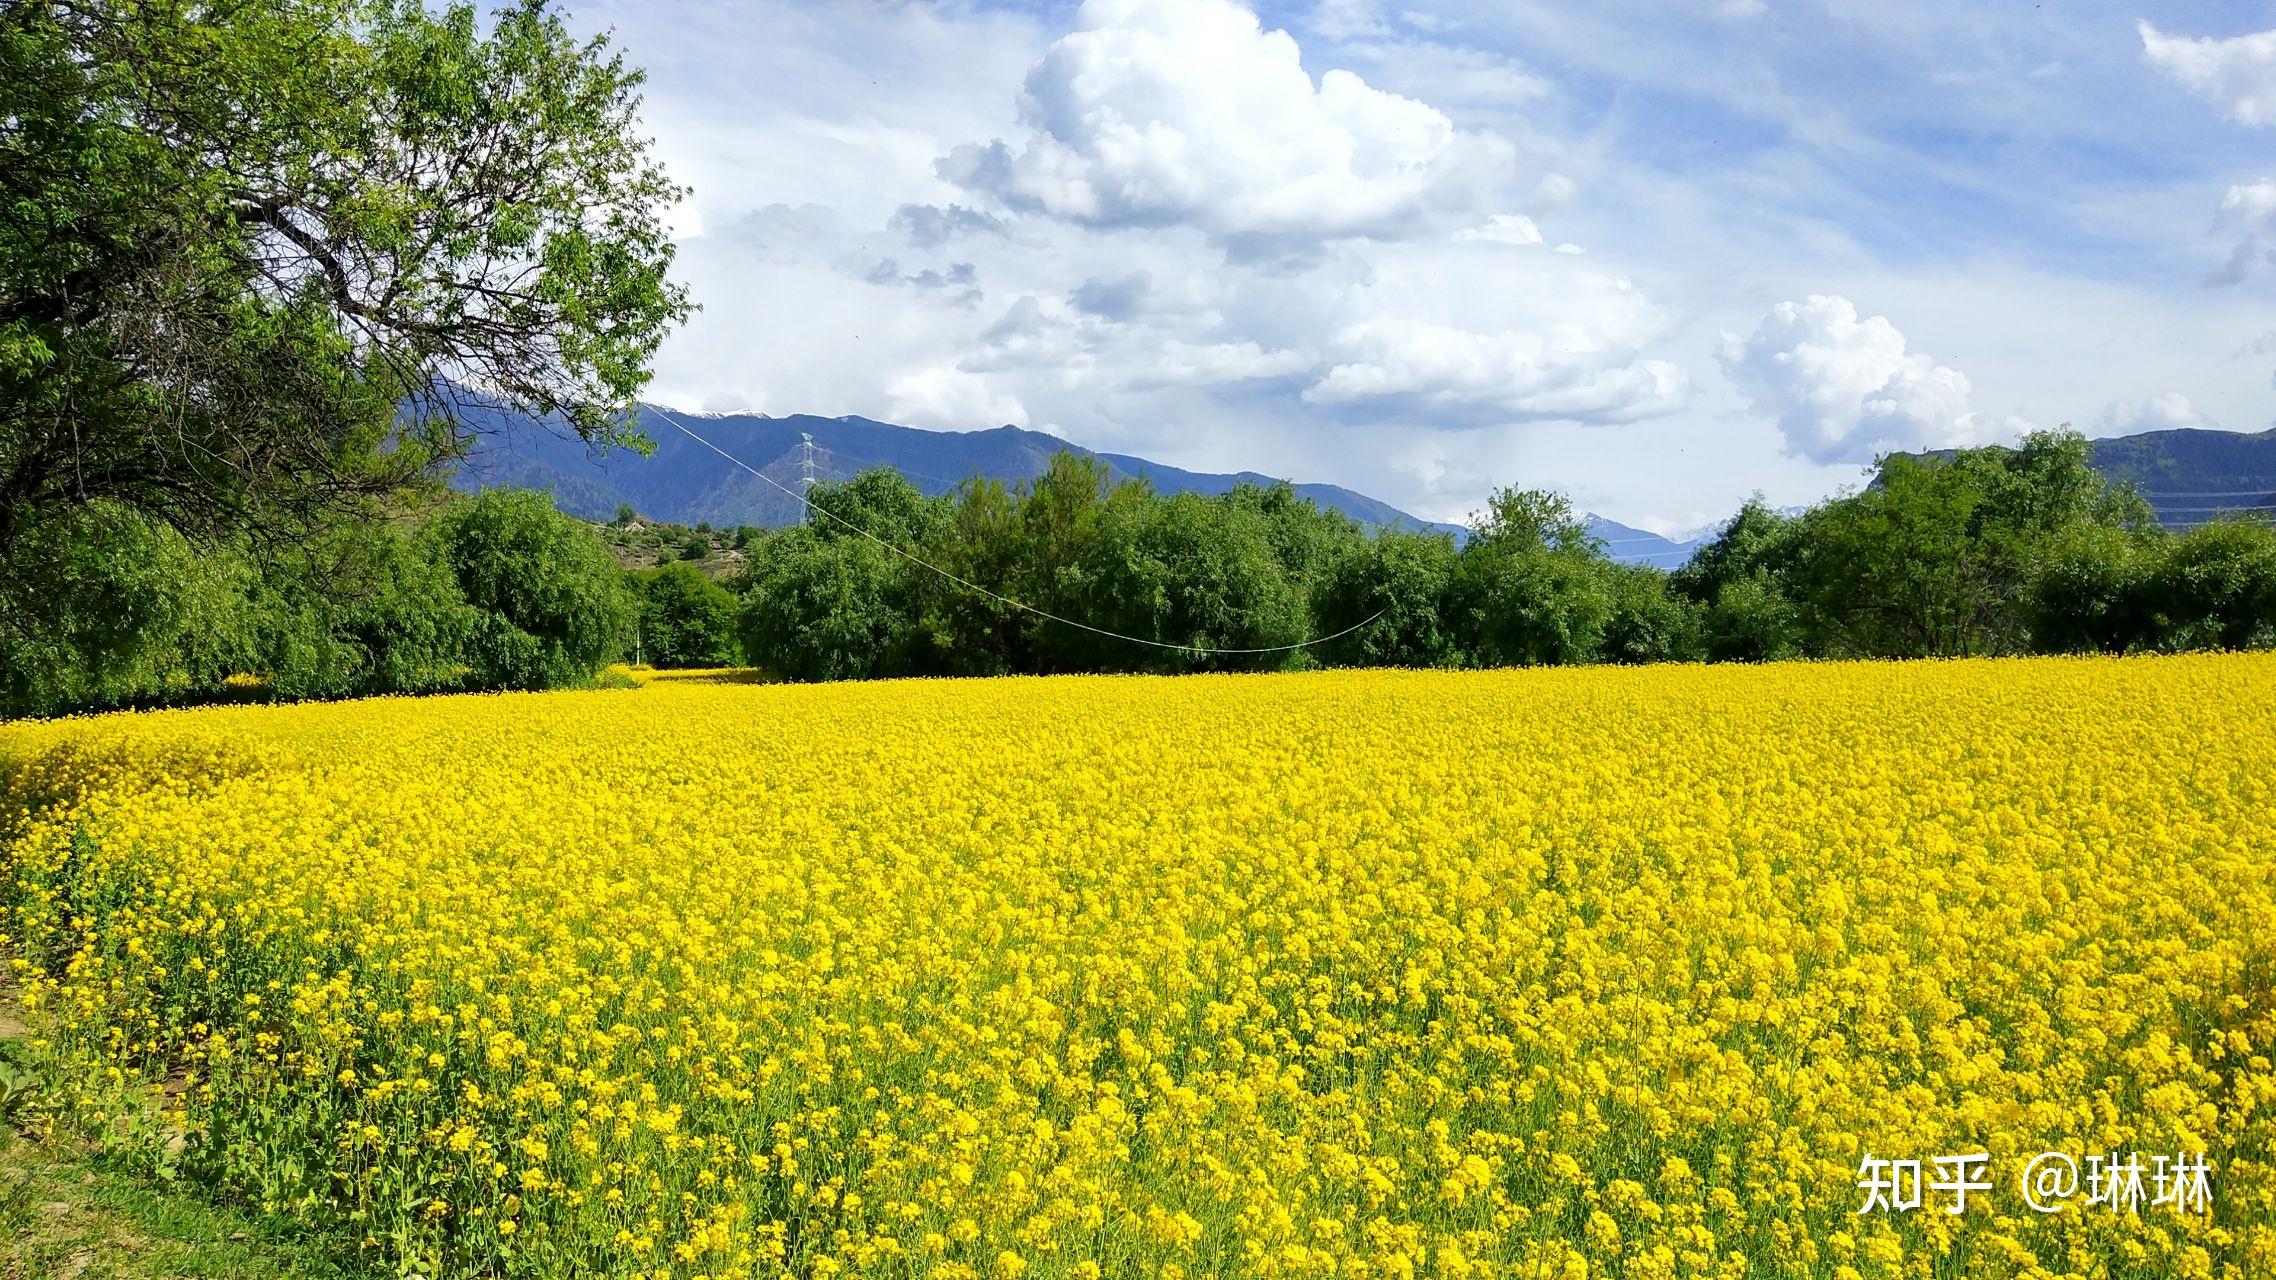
(67, 1214)
(65, 1217)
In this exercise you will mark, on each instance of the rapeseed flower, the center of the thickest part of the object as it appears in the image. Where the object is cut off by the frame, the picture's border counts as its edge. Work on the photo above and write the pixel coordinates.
(1554, 973)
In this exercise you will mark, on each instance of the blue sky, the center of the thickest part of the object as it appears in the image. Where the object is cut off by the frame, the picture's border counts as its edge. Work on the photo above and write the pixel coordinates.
(1659, 255)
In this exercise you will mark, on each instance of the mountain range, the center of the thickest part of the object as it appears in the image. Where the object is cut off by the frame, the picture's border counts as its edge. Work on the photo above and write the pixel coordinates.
(685, 482)
(2194, 474)
(2188, 474)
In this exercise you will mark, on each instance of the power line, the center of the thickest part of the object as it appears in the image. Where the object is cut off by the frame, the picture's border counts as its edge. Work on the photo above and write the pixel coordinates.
(2222, 493)
(808, 508)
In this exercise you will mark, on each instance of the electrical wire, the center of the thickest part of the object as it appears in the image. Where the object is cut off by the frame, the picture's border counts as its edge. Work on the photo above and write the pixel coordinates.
(977, 588)
(2220, 493)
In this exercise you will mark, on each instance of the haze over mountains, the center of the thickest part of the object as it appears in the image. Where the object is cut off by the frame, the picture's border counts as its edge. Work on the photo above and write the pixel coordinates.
(2188, 474)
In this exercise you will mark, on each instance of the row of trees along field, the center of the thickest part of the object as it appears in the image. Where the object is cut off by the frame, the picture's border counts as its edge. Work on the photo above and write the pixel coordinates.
(1987, 551)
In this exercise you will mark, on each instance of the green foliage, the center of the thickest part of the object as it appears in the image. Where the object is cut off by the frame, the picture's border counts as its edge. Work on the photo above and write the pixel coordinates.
(1751, 620)
(1056, 526)
(1648, 621)
(1893, 571)
(1190, 571)
(1224, 573)
(1756, 542)
(1983, 551)
(1533, 587)
(879, 503)
(247, 245)
(1738, 579)
(1938, 556)
(108, 608)
(552, 603)
(1996, 550)
(982, 538)
(2088, 591)
(685, 619)
(22, 1095)
(133, 614)
(1393, 588)
(819, 608)
(2214, 587)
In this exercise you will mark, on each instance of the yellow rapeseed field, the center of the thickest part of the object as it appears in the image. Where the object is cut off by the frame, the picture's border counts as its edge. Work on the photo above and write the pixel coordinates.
(1562, 973)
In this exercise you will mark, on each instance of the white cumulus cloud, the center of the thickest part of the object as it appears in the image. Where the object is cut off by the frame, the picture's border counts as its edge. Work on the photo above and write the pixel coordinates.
(2249, 209)
(1509, 375)
(1177, 363)
(1507, 228)
(2239, 74)
(1549, 340)
(2162, 412)
(1188, 112)
(1074, 347)
(1843, 389)
(945, 397)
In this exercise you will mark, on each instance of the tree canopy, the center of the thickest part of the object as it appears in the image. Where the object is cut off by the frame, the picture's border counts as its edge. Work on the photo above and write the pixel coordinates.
(255, 256)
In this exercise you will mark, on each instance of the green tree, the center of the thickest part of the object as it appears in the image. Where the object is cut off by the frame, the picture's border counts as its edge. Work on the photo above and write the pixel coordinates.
(879, 503)
(1647, 621)
(1393, 587)
(1740, 580)
(367, 606)
(817, 608)
(122, 597)
(1757, 539)
(1061, 518)
(552, 602)
(2214, 587)
(1182, 571)
(2090, 591)
(254, 253)
(1308, 540)
(1892, 571)
(1533, 586)
(1751, 620)
(685, 619)
(961, 631)
(1939, 555)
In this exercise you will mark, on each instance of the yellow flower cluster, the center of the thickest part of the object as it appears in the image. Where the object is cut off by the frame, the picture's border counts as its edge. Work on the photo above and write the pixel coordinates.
(1562, 973)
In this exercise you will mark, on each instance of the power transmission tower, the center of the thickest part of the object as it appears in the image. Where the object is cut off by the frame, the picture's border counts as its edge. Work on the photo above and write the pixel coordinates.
(805, 477)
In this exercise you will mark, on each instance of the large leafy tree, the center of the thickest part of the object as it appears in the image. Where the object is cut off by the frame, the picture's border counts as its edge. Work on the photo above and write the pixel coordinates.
(1533, 586)
(256, 255)
(817, 608)
(1392, 587)
(1740, 580)
(551, 605)
(1937, 557)
(685, 619)
(1189, 570)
